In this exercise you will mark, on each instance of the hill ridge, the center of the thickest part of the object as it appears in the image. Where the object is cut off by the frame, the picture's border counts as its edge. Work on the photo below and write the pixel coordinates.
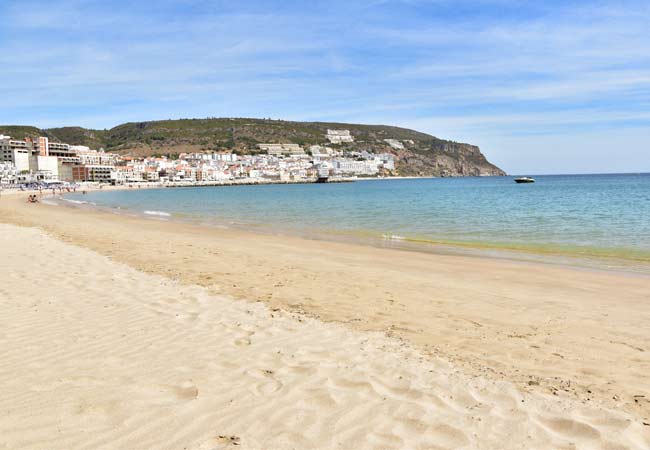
(421, 154)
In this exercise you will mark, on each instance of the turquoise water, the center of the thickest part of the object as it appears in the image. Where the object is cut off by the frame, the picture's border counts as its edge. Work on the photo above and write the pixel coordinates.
(599, 215)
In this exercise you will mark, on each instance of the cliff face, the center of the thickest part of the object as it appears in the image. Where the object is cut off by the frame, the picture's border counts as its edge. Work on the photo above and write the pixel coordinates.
(450, 159)
(416, 154)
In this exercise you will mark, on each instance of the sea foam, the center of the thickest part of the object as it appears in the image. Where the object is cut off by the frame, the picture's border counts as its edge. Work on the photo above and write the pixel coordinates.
(77, 202)
(157, 213)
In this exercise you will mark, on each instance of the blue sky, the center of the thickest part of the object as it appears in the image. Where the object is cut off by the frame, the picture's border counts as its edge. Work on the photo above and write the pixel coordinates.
(541, 87)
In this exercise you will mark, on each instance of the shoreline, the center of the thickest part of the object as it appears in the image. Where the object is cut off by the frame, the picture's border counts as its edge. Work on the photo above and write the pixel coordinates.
(622, 260)
(550, 329)
(97, 186)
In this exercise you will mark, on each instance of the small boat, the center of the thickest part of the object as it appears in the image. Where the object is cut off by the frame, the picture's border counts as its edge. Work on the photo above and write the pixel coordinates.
(524, 180)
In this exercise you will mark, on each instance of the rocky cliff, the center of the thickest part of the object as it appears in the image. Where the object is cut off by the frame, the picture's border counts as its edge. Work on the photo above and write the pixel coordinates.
(446, 159)
(416, 154)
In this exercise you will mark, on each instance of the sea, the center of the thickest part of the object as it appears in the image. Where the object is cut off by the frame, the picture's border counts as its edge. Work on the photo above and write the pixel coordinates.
(603, 220)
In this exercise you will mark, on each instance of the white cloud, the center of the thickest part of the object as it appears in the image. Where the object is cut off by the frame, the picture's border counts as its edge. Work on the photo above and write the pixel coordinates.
(472, 77)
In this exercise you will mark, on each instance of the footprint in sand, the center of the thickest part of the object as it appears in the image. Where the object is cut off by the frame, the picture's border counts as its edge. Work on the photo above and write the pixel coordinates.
(570, 429)
(446, 436)
(186, 391)
(244, 340)
(167, 394)
(266, 384)
(220, 442)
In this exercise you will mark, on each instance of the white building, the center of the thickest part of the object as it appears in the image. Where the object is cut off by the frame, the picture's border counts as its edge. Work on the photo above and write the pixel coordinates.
(388, 163)
(227, 157)
(339, 136)
(18, 157)
(383, 160)
(15, 152)
(395, 144)
(151, 175)
(126, 174)
(347, 166)
(8, 173)
(281, 149)
(121, 175)
(46, 167)
(95, 158)
(55, 147)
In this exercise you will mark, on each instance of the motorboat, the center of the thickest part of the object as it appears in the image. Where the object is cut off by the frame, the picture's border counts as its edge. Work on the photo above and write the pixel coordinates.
(521, 180)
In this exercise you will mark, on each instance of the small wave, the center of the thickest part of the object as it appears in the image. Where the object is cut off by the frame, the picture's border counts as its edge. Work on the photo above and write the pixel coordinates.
(76, 202)
(49, 202)
(157, 213)
(393, 237)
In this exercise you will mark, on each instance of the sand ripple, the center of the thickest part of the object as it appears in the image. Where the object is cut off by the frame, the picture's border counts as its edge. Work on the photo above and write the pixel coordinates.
(96, 355)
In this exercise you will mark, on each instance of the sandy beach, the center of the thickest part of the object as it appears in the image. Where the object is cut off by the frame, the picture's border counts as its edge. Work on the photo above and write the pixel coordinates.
(123, 332)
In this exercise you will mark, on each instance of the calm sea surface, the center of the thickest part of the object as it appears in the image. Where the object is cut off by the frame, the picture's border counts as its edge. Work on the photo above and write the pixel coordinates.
(590, 215)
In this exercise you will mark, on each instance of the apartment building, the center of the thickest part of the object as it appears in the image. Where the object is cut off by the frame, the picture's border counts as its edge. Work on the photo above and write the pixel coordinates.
(94, 173)
(281, 149)
(150, 174)
(226, 157)
(14, 152)
(8, 173)
(123, 174)
(96, 158)
(339, 136)
(45, 167)
(345, 166)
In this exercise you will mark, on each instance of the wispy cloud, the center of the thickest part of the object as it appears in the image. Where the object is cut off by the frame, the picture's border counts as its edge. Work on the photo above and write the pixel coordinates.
(467, 70)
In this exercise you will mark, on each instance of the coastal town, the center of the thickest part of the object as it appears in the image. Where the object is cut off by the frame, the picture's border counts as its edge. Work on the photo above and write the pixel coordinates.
(30, 161)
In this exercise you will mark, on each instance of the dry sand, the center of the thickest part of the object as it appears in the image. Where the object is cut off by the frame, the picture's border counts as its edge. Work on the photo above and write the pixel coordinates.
(472, 352)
